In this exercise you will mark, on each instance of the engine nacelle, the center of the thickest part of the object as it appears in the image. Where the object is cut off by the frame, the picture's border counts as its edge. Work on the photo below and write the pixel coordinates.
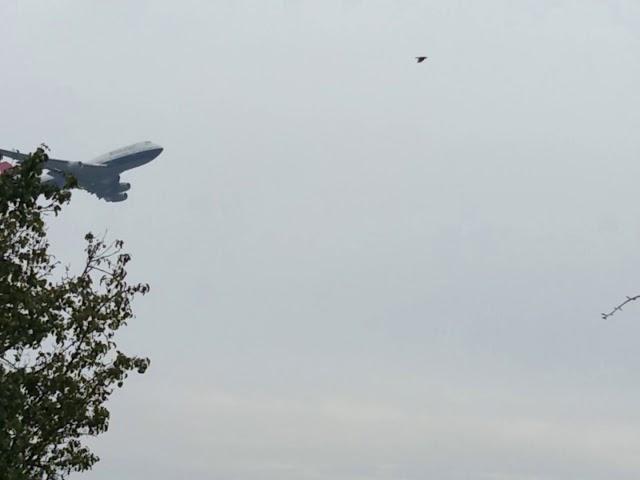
(118, 188)
(123, 187)
(117, 197)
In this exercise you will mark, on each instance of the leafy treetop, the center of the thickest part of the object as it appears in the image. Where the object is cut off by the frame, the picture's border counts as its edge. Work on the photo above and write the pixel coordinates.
(59, 362)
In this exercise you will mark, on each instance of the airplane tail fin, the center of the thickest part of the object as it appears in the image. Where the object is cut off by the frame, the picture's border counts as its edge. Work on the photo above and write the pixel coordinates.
(4, 166)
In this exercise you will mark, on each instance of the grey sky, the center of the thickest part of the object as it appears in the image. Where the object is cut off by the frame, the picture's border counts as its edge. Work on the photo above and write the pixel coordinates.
(361, 268)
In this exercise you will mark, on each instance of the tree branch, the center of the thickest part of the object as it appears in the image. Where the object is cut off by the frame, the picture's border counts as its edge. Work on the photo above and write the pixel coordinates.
(619, 307)
(15, 367)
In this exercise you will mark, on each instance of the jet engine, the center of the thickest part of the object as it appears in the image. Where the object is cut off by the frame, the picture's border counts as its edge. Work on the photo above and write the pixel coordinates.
(118, 188)
(116, 197)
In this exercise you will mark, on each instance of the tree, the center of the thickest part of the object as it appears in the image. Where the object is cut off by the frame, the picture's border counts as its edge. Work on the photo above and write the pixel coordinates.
(59, 362)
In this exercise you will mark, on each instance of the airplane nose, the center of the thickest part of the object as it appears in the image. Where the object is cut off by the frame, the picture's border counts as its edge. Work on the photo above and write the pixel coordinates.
(153, 149)
(156, 149)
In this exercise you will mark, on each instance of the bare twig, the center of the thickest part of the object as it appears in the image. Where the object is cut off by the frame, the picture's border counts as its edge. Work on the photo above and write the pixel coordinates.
(106, 272)
(619, 307)
(12, 365)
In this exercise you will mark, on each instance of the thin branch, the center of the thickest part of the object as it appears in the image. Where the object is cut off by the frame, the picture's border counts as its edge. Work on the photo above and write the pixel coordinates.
(106, 272)
(619, 307)
(15, 367)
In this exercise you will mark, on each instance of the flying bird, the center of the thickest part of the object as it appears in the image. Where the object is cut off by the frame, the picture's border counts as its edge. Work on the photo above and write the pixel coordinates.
(421, 59)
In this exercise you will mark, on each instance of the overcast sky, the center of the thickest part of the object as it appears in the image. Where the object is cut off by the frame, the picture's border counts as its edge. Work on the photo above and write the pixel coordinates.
(361, 267)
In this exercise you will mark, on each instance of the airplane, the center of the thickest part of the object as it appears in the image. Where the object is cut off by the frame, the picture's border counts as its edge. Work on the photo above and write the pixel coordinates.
(100, 176)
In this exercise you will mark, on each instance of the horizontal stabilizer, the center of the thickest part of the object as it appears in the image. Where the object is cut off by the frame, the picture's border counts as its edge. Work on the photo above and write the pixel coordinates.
(15, 155)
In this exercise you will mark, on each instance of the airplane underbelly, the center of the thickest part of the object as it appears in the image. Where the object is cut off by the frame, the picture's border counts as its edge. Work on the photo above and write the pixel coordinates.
(95, 176)
(131, 161)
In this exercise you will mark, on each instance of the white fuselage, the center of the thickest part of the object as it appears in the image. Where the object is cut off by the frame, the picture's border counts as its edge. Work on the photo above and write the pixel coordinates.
(114, 162)
(129, 157)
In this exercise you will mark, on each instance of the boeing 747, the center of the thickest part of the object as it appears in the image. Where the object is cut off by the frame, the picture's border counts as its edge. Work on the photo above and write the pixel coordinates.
(100, 176)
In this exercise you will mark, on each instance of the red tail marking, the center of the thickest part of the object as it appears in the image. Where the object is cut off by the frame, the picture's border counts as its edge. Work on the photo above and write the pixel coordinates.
(4, 166)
